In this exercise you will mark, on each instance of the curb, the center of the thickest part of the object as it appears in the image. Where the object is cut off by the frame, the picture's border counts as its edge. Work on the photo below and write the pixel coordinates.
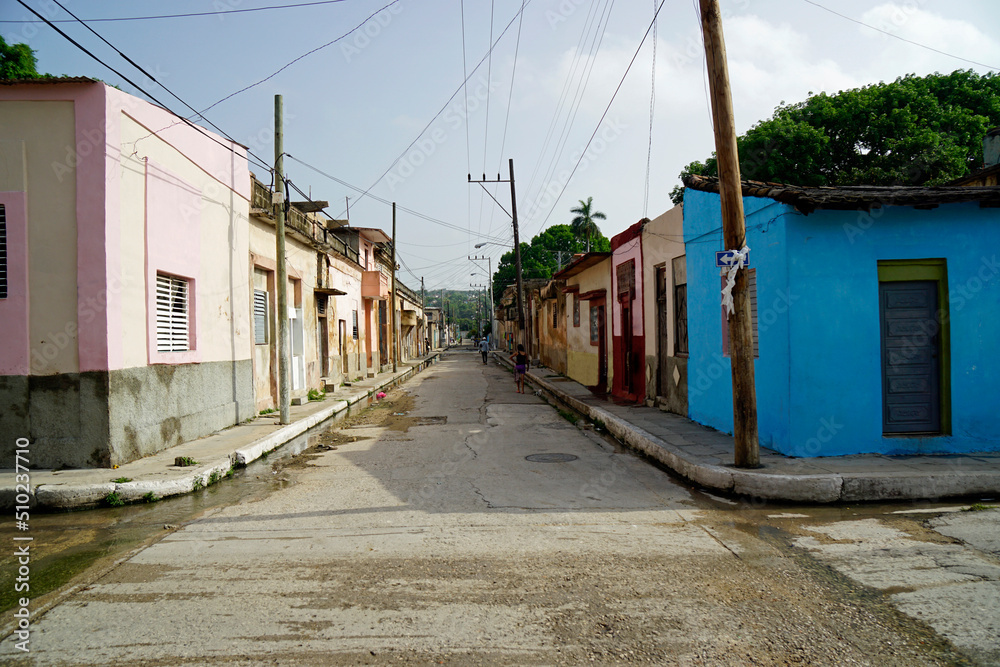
(816, 489)
(89, 496)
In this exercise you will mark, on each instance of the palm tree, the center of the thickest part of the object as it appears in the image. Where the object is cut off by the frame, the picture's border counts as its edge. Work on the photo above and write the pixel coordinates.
(583, 224)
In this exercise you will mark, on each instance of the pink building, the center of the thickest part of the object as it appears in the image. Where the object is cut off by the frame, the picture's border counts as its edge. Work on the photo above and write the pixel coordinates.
(125, 303)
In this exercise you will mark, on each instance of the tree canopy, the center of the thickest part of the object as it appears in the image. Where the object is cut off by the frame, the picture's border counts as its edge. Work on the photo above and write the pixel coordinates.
(914, 131)
(545, 255)
(17, 61)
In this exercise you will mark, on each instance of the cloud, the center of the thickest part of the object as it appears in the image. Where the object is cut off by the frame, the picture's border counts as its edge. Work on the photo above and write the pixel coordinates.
(959, 37)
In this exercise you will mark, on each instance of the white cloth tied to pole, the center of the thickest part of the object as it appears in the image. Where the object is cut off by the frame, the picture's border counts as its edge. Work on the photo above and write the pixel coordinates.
(739, 261)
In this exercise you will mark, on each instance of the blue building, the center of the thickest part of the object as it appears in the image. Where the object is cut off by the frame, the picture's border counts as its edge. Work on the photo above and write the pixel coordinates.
(876, 317)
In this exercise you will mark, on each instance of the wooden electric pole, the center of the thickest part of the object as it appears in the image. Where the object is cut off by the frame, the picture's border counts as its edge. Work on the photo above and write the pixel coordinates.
(395, 351)
(284, 390)
(734, 232)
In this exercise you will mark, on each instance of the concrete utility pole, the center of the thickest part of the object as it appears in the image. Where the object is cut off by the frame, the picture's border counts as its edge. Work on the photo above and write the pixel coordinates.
(747, 453)
(423, 306)
(517, 253)
(284, 390)
(395, 350)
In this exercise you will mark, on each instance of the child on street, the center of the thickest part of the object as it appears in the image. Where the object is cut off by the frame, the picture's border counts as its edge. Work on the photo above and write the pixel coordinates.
(520, 360)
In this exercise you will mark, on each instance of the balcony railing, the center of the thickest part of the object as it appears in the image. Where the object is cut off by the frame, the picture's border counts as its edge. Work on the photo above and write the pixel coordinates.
(301, 223)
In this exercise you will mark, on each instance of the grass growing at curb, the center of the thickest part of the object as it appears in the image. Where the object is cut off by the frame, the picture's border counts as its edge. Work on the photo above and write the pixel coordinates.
(185, 461)
(571, 417)
(199, 484)
(316, 395)
(122, 480)
(114, 500)
(268, 411)
(979, 507)
(150, 497)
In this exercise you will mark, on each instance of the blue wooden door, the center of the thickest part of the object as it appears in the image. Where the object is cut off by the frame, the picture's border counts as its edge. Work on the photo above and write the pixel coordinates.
(911, 364)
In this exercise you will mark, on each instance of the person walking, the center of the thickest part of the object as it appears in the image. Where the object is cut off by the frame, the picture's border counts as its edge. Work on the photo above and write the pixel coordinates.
(484, 348)
(520, 360)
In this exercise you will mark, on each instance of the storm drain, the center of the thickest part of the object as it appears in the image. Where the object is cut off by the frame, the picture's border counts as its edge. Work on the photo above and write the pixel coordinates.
(430, 421)
(551, 458)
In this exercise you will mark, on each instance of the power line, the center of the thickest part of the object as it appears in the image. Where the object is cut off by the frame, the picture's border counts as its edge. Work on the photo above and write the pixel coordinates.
(178, 16)
(652, 107)
(133, 84)
(603, 115)
(307, 53)
(902, 39)
(423, 216)
(445, 106)
(151, 77)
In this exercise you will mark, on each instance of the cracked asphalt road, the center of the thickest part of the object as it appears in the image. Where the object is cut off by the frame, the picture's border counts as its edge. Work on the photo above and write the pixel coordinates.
(419, 533)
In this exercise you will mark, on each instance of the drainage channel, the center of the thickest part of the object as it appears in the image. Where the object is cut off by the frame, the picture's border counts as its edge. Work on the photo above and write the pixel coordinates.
(66, 545)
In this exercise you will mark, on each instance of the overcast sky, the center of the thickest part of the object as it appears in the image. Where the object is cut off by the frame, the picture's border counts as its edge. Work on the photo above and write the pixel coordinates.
(353, 108)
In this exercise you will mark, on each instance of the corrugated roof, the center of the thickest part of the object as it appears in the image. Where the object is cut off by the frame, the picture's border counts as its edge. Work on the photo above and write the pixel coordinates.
(49, 80)
(855, 198)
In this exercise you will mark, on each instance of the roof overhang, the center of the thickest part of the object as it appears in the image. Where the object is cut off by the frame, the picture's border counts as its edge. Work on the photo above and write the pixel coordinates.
(330, 291)
(582, 264)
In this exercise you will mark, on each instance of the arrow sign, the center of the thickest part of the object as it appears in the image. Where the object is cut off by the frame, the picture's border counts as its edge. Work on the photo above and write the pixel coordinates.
(727, 258)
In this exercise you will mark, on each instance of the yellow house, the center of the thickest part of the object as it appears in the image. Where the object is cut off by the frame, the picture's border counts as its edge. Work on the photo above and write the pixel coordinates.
(588, 281)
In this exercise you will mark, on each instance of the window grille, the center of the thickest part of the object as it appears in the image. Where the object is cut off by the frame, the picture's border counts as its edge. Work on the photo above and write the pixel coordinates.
(260, 319)
(576, 310)
(171, 314)
(3, 252)
(355, 320)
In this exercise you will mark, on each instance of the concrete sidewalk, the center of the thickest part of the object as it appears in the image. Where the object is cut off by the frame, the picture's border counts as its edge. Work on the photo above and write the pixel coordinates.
(216, 454)
(705, 456)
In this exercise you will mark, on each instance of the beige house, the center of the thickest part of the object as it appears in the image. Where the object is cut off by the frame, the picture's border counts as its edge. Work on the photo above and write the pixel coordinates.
(665, 305)
(549, 305)
(588, 333)
(324, 292)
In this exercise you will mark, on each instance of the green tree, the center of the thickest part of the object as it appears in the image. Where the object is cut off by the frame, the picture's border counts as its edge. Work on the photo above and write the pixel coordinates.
(545, 255)
(17, 61)
(583, 224)
(914, 131)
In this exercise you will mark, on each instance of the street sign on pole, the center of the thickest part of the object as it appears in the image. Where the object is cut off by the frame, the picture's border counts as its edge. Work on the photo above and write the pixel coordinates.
(727, 258)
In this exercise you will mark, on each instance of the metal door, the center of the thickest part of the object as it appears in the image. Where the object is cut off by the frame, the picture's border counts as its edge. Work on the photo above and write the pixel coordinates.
(911, 380)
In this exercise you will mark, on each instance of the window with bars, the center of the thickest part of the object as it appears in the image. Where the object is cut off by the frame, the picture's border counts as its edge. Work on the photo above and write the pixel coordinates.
(354, 315)
(172, 322)
(3, 252)
(260, 318)
(576, 310)
(555, 314)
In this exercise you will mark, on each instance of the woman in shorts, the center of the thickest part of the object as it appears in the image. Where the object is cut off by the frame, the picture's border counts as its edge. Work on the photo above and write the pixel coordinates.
(520, 360)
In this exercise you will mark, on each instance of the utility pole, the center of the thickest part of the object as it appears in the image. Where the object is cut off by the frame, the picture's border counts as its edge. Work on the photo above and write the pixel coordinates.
(395, 351)
(489, 270)
(517, 253)
(423, 307)
(747, 452)
(284, 390)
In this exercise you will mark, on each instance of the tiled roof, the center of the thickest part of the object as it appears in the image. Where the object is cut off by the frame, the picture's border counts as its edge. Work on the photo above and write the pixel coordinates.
(49, 79)
(853, 198)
